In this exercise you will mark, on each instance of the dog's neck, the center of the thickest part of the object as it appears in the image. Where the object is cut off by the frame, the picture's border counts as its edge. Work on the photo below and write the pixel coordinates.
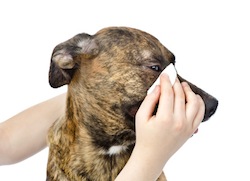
(108, 130)
(105, 138)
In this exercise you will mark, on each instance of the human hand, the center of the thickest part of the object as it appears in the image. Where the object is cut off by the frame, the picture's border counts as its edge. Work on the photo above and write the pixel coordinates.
(178, 116)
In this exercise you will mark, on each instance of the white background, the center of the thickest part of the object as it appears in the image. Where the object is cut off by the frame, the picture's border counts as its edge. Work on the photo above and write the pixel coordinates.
(211, 42)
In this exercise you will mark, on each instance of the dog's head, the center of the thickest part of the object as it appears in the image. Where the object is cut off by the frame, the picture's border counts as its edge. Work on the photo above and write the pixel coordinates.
(116, 66)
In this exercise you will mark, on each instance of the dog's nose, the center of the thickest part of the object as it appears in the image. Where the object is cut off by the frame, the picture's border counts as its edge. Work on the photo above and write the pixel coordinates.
(210, 108)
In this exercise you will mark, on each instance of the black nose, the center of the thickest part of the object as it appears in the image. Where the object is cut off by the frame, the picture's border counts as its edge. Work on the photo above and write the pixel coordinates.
(211, 106)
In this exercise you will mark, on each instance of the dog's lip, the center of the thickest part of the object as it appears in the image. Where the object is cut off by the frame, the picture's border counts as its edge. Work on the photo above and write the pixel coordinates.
(196, 131)
(132, 111)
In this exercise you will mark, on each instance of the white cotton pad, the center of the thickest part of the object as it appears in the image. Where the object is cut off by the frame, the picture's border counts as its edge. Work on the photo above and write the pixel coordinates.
(170, 70)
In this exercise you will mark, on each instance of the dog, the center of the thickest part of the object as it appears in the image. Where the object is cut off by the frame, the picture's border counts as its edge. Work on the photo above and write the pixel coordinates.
(108, 75)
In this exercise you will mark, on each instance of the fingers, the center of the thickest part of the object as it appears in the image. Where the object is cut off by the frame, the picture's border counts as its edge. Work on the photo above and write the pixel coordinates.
(148, 105)
(166, 103)
(179, 102)
(172, 99)
(195, 107)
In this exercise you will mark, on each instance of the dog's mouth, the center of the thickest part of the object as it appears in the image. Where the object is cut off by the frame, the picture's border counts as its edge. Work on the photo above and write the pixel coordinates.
(132, 110)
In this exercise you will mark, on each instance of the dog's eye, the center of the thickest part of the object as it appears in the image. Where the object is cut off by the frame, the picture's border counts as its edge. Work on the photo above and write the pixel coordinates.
(156, 68)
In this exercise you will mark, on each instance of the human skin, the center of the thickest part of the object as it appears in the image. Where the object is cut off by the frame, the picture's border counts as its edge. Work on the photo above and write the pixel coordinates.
(24, 134)
(158, 136)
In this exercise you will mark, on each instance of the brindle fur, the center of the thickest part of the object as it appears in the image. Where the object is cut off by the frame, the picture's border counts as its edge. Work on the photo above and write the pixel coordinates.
(108, 75)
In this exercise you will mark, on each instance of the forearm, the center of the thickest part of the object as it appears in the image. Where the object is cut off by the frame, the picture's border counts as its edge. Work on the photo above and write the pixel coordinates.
(25, 133)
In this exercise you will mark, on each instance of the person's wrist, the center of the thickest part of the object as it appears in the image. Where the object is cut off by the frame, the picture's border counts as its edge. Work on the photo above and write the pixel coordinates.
(150, 160)
(151, 153)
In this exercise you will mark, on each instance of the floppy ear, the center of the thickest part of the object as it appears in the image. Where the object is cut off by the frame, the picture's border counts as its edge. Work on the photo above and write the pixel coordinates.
(64, 58)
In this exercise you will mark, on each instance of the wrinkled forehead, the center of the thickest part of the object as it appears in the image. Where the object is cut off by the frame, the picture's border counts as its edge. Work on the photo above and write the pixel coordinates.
(132, 41)
(124, 37)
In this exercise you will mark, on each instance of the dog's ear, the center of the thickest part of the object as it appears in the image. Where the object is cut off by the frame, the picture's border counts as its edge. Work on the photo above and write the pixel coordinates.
(64, 59)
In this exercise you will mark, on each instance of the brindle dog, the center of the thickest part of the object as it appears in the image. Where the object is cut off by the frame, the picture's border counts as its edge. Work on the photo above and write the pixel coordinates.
(108, 75)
